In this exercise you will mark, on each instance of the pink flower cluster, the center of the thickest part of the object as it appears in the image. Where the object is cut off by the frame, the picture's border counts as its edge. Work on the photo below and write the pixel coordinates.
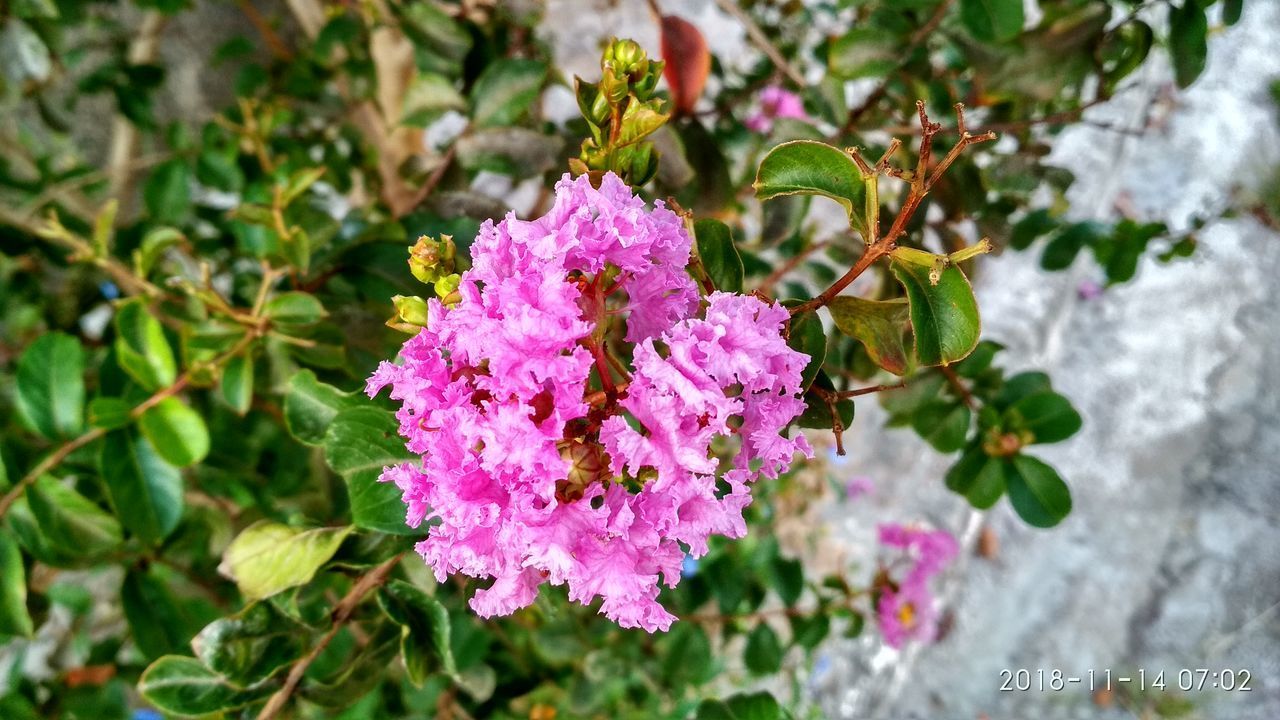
(907, 611)
(542, 459)
(775, 102)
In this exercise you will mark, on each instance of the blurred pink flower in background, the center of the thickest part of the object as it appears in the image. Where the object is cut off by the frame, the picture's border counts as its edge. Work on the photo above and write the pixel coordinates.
(857, 486)
(775, 102)
(907, 611)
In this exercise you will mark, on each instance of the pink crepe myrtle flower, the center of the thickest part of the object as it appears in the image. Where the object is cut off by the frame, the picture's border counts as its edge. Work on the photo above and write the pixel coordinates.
(533, 467)
(858, 486)
(906, 610)
(775, 102)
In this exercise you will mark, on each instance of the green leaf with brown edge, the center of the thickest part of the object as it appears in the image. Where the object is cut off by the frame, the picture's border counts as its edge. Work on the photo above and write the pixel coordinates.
(992, 21)
(719, 255)
(177, 433)
(505, 91)
(251, 645)
(49, 388)
(879, 325)
(1036, 491)
(185, 687)
(14, 617)
(1188, 41)
(425, 630)
(944, 316)
(807, 336)
(359, 443)
(141, 348)
(807, 167)
(145, 490)
(269, 557)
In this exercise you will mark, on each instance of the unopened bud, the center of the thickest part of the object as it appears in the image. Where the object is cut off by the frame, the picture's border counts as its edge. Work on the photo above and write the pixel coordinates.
(410, 309)
(588, 465)
(447, 288)
(429, 259)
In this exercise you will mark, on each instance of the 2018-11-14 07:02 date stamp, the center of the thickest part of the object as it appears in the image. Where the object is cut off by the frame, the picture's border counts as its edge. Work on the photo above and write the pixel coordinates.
(1185, 680)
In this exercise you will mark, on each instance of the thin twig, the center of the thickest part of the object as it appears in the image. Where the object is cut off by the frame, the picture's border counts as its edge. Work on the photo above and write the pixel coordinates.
(956, 384)
(917, 39)
(846, 394)
(342, 613)
(762, 41)
(766, 286)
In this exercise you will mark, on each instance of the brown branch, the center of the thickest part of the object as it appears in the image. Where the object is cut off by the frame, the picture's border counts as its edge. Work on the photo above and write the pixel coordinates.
(341, 615)
(277, 47)
(846, 394)
(917, 39)
(766, 286)
(56, 457)
(762, 41)
(958, 386)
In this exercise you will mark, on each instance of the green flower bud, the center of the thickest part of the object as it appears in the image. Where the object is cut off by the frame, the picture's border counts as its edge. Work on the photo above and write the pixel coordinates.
(429, 260)
(410, 309)
(446, 288)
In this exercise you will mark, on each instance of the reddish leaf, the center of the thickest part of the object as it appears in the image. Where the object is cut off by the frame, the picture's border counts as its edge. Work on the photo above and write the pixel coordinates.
(688, 62)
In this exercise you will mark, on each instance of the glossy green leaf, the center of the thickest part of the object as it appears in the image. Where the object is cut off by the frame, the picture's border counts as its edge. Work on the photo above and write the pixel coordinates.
(50, 386)
(310, 406)
(1021, 385)
(236, 385)
(110, 413)
(808, 337)
(176, 432)
(425, 630)
(1188, 41)
(145, 490)
(879, 325)
(1036, 491)
(978, 477)
(14, 617)
(754, 706)
(944, 316)
(719, 255)
(763, 653)
(251, 645)
(505, 91)
(157, 620)
(185, 687)
(141, 347)
(806, 167)
(992, 20)
(268, 557)
(1067, 244)
(69, 522)
(359, 443)
(294, 308)
(1049, 416)
(154, 243)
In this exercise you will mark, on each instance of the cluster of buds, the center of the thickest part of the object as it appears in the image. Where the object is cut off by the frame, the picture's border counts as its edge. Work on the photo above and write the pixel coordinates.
(621, 111)
(432, 263)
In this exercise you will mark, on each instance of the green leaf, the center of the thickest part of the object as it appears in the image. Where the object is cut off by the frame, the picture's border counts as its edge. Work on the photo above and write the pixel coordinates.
(183, 686)
(879, 325)
(944, 316)
(154, 243)
(145, 490)
(1063, 248)
(809, 631)
(719, 255)
(236, 386)
(251, 645)
(360, 442)
(690, 661)
(424, 626)
(505, 91)
(1231, 11)
(176, 432)
(1020, 386)
(167, 192)
(1048, 415)
(69, 522)
(806, 167)
(110, 413)
(14, 618)
(992, 20)
(157, 621)
(755, 706)
(863, 52)
(978, 477)
(807, 336)
(1188, 41)
(141, 347)
(310, 406)
(1031, 227)
(268, 557)
(1036, 491)
(787, 576)
(294, 308)
(50, 386)
(943, 425)
(763, 654)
